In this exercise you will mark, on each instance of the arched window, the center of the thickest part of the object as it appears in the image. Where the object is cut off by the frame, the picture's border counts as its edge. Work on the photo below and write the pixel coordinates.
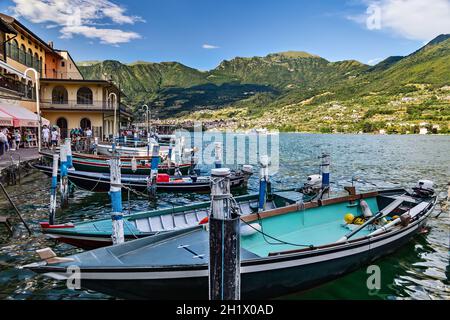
(30, 58)
(15, 50)
(22, 54)
(60, 95)
(62, 124)
(85, 123)
(40, 66)
(84, 96)
(36, 62)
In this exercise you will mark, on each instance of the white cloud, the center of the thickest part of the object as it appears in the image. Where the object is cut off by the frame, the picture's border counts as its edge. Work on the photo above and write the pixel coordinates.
(374, 61)
(79, 17)
(412, 19)
(209, 46)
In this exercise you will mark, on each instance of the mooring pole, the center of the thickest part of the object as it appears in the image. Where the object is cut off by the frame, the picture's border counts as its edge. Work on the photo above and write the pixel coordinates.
(263, 182)
(68, 143)
(182, 148)
(153, 171)
(325, 171)
(95, 145)
(64, 181)
(53, 189)
(218, 154)
(224, 240)
(115, 192)
(169, 155)
(148, 144)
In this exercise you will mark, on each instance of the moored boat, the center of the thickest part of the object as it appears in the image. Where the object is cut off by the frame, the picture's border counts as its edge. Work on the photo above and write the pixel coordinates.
(294, 248)
(100, 182)
(99, 163)
(97, 233)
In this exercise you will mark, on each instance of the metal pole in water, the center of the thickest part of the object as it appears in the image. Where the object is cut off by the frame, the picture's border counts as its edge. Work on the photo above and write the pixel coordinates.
(95, 145)
(115, 192)
(153, 171)
(169, 155)
(224, 240)
(325, 170)
(218, 154)
(52, 214)
(64, 181)
(263, 182)
(68, 143)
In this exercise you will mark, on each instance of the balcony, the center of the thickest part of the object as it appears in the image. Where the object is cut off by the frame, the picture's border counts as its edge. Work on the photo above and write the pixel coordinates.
(73, 105)
(13, 87)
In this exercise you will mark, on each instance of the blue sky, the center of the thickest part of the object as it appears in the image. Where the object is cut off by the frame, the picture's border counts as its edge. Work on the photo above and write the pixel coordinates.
(201, 33)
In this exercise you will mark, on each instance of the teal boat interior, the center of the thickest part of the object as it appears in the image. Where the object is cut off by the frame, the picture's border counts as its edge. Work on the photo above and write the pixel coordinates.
(280, 233)
(311, 227)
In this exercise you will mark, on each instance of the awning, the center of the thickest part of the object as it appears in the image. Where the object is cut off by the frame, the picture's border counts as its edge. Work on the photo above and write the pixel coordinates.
(22, 117)
(5, 120)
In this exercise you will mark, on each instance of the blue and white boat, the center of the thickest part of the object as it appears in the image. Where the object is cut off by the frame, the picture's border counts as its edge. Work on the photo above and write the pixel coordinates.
(291, 248)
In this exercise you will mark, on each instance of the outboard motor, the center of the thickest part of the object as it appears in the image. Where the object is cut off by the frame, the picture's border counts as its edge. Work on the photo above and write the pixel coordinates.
(247, 170)
(424, 188)
(313, 184)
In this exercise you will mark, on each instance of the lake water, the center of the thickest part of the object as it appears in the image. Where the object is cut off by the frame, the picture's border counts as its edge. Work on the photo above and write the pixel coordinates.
(420, 270)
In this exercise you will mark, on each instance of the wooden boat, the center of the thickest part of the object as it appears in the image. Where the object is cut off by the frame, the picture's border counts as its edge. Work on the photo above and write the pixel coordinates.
(97, 233)
(100, 182)
(98, 163)
(106, 149)
(295, 249)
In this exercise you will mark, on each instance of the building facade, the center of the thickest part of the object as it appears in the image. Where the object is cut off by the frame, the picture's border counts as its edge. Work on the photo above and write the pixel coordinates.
(71, 103)
(67, 100)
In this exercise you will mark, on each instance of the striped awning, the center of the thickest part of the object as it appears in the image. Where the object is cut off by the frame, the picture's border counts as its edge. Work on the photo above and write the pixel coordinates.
(21, 116)
(5, 120)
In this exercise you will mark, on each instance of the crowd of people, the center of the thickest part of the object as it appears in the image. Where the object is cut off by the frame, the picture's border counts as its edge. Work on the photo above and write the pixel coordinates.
(80, 137)
(14, 139)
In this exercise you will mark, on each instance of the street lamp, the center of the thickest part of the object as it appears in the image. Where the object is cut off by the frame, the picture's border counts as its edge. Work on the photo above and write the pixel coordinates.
(148, 120)
(38, 107)
(115, 112)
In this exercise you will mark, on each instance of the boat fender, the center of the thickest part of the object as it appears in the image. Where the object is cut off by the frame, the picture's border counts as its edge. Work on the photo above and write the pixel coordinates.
(248, 230)
(205, 220)
(133, 164)
(365, 209)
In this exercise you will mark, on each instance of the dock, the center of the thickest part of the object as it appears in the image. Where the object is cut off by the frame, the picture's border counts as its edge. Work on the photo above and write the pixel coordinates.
(16, 162)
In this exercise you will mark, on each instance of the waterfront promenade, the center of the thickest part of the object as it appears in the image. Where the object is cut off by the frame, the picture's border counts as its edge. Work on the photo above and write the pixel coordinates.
(26, 154)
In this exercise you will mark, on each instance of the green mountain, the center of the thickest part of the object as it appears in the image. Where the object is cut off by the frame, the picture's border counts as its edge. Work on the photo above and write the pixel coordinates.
(294, 90)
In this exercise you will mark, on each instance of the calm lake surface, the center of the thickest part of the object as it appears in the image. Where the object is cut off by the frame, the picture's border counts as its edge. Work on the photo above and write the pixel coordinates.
(420, 270)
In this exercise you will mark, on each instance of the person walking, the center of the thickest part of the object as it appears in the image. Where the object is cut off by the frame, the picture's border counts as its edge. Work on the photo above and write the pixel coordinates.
(3, 141)
(46, 136)
(55, 137)
(17, 138)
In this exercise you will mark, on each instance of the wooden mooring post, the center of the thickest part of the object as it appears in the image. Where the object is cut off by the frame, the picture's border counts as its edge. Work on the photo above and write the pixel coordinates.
(224, 240)
(64, 179)
(53, 190)
(152, 181)
(116, 201)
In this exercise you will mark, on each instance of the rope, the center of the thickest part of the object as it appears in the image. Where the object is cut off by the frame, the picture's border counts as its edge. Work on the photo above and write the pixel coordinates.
(237, 209)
